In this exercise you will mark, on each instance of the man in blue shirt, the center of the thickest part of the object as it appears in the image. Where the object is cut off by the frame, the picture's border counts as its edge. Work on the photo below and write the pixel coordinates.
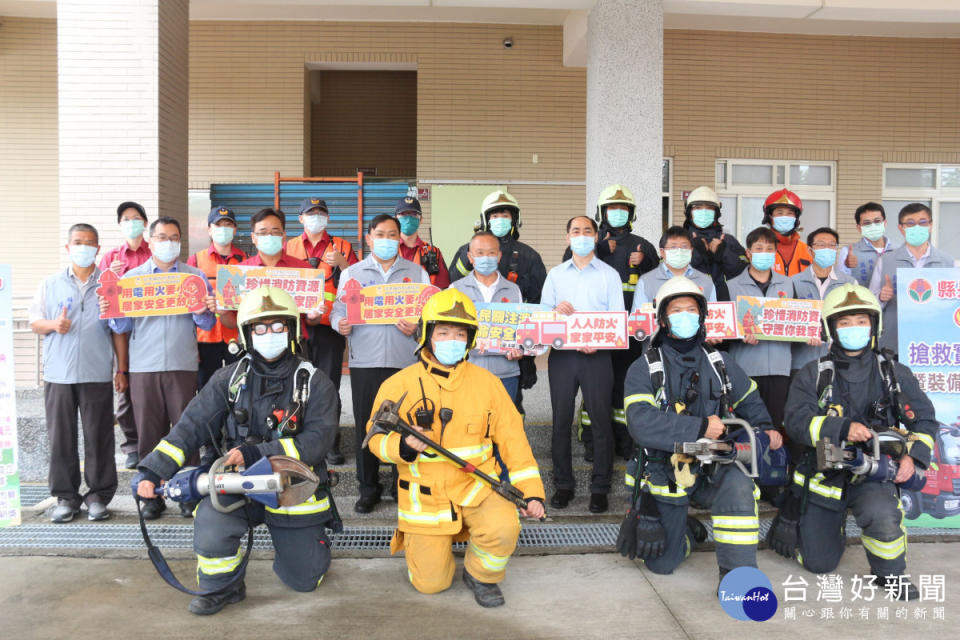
(163, 352)
(583, 283)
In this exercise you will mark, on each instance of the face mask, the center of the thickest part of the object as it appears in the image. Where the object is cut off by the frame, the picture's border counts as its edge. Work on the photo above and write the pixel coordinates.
(617, 217)
(677, 258)
(166, 251)
(684, 324)
(853, 338)
(916, 236)
(270, 245)
(872, 232)
(703, 218)
(449, 352)
(315, 224)
(501, 226)
(270, 345)
(385, 248)
(762, 261)
(408, 224)
(131, 228)
(222, 235)
(825, 257)
(82, 255)
(582, 245)
(784, 224)
(485, 265)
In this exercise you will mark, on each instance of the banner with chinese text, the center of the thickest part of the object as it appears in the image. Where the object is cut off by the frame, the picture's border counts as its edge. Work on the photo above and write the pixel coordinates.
(385, 303)
(305, 285)
(928, 320)
(154, 294)
(783, 319)
(498, 326)
(9, 474)
(591, 329)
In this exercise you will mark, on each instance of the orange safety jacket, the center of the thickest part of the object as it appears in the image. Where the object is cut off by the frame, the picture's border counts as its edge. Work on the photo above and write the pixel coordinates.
(208, 261)
(801, 259)
(297, 248)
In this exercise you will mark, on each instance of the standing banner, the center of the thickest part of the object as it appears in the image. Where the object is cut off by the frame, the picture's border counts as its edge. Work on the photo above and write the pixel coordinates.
(9, 475)
(305, 285)
(498, 322)
(928, 320)
(385, 303)
(595, 329)
(783, 319)
(154, 294)
(721, 321)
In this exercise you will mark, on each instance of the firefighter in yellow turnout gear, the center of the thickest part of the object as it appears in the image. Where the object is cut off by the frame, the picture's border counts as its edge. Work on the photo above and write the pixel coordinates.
(465, 409)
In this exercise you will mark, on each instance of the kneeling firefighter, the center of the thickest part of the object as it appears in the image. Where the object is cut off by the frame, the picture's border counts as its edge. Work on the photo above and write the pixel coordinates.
(679, 394)
(445, 490)
(270, 403)
(868, 431)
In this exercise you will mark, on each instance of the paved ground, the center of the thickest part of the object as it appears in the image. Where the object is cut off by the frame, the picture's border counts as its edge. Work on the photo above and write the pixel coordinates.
(576, 596)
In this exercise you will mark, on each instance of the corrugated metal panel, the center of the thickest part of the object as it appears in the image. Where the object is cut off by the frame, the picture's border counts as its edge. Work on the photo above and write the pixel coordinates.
(341, 199)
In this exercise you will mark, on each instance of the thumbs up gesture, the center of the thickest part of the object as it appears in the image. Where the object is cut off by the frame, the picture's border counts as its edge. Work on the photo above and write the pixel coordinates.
(886, 293)
(62, 322)
(334, 258)
(851, 260)
(636, 257)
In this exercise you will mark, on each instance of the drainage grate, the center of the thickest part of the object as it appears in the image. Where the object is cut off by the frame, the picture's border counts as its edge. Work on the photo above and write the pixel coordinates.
(180, 536)
(32, 494)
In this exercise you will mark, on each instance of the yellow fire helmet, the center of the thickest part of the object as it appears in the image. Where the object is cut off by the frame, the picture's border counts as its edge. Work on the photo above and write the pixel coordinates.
(615, 194)
(449, 305)
(703, 195)
(852, 298)
(499, 199)
(267, 302)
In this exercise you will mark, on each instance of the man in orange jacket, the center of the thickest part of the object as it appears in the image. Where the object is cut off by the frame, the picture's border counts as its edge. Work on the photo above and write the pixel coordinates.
(781, 211)
(212, 344)
(465, 409)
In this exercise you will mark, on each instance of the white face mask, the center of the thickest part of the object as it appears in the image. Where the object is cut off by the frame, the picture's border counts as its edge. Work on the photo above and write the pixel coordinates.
(271, 345)
(314, 223)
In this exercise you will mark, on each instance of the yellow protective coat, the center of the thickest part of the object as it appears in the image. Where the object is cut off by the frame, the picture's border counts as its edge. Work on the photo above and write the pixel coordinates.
(433, 492)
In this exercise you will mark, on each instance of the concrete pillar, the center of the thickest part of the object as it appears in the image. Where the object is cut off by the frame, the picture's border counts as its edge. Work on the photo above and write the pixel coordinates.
(625, 105)
(123, 84)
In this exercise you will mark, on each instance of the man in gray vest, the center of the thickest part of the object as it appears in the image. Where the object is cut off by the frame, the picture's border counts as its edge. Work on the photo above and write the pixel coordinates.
(77, 376)
(163, 353)
(862, 259)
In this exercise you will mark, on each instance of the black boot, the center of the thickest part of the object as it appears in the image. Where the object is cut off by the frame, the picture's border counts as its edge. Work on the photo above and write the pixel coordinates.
(209, 605)
(906, 590)
(334, 457)
(697, 530)
(151, 508)
(486, 595)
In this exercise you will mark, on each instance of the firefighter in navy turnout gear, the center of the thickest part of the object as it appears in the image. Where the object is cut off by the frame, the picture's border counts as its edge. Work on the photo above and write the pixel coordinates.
(715, 253)
(271, 402)
(679, 392)
(632, 256)
(847, 397)
(519, 263)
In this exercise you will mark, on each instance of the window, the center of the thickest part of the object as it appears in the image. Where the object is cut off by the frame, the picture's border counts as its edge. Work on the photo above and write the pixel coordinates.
(743, 185)
(667, 190)
(935, 185)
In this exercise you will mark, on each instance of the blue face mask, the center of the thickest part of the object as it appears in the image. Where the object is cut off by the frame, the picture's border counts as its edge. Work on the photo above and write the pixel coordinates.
(617, 217)
(703, 218)
(684, 324)
(385, 248)
(270, 245)
(449, 352)
(873, 232)
(762, 261)
(132, 228)
(825, 257)
(853, 338)
(784, 224)
(485, 265)
(917, 236)
(82, 255)
(582, 245)
(166, 251)
(500, 226)
(409, 224)
(222, 235)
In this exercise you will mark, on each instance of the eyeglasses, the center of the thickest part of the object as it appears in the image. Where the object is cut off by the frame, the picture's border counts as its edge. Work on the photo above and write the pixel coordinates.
(864, 222)
(277, 326)
(913, 223)
(164, 238)
(818, 245)
(264, 234)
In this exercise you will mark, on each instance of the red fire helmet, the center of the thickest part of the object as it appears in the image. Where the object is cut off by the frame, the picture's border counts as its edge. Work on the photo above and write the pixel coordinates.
(784, 197)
